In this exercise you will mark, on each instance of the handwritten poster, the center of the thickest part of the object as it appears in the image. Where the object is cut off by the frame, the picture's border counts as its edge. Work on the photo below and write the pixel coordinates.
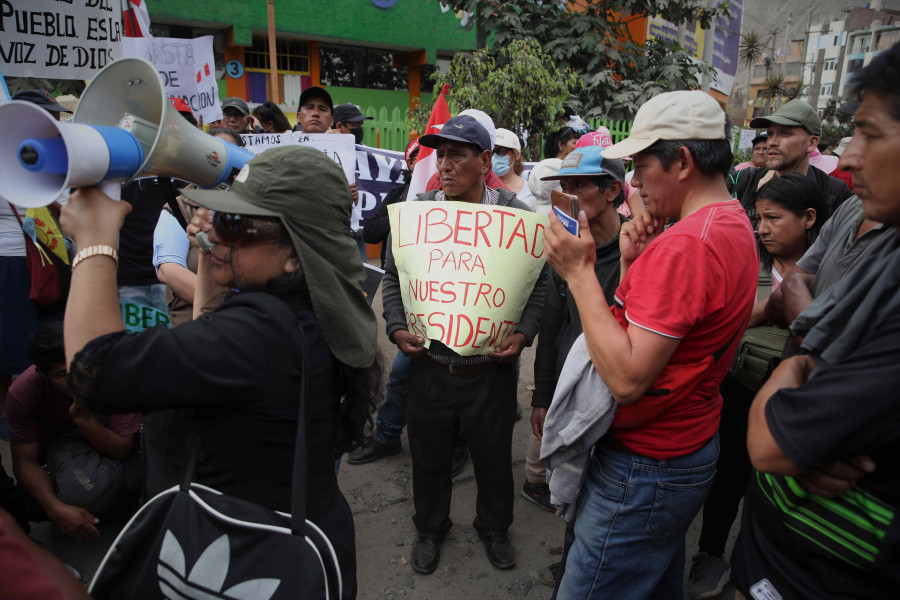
(466, 271)
(338, 147)
(59, 39)
(186, 67)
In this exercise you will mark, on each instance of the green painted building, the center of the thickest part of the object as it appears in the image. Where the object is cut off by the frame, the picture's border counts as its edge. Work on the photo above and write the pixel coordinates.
(374, 53)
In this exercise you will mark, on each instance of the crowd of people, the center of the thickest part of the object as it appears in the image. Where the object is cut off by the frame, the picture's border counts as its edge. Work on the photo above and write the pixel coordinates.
(713, 333)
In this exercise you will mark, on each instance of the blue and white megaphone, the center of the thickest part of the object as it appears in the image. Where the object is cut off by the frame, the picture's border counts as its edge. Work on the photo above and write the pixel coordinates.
(124, 128)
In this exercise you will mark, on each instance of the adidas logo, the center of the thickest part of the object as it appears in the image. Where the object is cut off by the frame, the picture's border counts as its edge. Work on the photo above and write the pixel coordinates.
(207, 576)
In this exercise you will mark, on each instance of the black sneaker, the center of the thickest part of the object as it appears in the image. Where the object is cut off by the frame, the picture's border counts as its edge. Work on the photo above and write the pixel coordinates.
(539, 493)
(372, 451)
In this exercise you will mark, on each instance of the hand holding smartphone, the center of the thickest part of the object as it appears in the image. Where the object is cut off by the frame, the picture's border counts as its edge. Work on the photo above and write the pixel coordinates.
(566, 208)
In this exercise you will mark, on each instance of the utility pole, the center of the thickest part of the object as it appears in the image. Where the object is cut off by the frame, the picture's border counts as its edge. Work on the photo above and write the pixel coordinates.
(784, 55)
(275, 91)
(709, 43)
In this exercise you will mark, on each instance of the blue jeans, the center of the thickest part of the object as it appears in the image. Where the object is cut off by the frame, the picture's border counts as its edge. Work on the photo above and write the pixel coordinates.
(361, 246)
(391, 417)
(143, 306)
(632, 516)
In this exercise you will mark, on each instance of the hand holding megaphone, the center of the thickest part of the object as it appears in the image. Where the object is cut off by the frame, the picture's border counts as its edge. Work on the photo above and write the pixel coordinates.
(90, 217)
(124, 127)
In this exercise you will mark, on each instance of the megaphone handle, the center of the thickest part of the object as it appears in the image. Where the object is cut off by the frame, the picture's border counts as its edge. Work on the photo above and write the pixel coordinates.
(112, 188)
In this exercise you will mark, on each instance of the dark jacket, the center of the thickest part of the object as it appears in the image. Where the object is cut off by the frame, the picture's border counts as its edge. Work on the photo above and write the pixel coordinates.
(561, 324)
(378, 225)
(745, 189)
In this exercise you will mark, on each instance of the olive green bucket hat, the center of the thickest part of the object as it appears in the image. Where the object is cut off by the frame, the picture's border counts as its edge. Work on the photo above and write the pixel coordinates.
(309, 193)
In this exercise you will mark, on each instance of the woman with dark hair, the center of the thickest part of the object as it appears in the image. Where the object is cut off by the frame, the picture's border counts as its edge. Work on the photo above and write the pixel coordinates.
(281, 242)
(270, 118)
(560, 143)
(791, 211)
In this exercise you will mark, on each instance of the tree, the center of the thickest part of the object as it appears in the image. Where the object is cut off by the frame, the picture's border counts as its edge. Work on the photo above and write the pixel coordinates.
(792, 93)
(592, 38)
(521, 93)
(835, 124)
(772, 90)
(749, 53)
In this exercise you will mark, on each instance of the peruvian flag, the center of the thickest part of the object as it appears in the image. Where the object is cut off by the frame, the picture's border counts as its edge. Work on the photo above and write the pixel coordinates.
(426, 163)
(136, 18)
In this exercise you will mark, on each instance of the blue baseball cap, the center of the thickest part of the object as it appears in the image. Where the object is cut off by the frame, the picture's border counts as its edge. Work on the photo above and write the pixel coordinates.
(461, 128)
(588, 162)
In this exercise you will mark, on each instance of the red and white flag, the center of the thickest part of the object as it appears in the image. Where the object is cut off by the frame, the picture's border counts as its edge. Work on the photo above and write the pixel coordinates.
(136, 18)
(426, 163)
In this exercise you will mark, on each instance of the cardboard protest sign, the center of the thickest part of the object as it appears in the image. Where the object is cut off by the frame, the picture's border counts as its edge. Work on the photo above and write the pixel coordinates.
(339, 147)
(61, 40)
(466, 271)
(187, 68)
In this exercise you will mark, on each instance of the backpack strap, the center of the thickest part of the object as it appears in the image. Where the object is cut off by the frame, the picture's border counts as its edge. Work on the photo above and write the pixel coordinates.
(298, 479)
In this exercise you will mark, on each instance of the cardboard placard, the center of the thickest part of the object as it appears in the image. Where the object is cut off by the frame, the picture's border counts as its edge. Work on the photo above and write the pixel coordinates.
(466, 271)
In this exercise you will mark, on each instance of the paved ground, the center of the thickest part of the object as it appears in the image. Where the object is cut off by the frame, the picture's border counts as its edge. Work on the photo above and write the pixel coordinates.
(380, 495)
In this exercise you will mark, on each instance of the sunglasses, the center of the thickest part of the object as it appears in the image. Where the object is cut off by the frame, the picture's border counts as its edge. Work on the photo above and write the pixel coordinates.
(243, 230)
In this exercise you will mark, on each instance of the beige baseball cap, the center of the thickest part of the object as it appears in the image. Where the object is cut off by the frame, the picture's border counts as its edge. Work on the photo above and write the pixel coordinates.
(507, 139)
(682, 115)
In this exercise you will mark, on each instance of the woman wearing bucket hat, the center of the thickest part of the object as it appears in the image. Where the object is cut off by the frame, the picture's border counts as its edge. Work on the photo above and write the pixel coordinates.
(282, 241)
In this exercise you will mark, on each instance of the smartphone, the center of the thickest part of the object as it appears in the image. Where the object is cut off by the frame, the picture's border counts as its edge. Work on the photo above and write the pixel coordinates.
(566, 208)
(565, 202)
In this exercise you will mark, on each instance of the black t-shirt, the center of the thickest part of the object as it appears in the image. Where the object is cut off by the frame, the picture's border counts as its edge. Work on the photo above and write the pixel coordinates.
(806, 546)
(147, 197)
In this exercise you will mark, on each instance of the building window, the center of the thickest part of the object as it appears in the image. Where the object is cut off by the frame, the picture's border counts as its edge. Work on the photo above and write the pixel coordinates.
(348, 66)
(829, 65)
(427, 83)
(887, 39)
(854, 65)
(292, 56)
(860, 45)
(825, 90)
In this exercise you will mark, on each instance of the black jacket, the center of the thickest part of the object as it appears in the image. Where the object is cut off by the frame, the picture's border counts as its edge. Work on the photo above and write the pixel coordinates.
(378, 226)
(745, 188)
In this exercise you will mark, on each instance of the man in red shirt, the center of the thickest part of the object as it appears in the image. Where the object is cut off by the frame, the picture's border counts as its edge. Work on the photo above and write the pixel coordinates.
(663, 349)
(89, 462)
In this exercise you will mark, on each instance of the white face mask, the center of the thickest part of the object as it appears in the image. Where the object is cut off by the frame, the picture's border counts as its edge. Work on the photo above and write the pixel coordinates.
(500, 164)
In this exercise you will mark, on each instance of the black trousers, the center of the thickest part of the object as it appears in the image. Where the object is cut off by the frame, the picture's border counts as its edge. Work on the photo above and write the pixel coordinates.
(733, 469)
(484, 403)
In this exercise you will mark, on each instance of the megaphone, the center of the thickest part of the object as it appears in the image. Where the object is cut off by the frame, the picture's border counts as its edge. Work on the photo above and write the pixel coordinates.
(124, 127)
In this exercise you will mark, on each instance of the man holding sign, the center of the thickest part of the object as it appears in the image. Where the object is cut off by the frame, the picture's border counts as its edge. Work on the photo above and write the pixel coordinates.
(461, 297)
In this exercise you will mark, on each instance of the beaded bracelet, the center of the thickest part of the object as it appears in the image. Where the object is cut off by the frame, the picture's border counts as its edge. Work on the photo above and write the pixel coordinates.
(91, 251)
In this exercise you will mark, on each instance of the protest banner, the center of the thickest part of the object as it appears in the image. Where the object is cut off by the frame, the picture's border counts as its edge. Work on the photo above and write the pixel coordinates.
(377, 173)
(71, 39)
(336, 146)
(466, 271)
(746, 140)
(187, 69)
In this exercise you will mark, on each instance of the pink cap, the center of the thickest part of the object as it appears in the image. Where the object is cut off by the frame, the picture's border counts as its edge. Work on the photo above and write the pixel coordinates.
(601, 138)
